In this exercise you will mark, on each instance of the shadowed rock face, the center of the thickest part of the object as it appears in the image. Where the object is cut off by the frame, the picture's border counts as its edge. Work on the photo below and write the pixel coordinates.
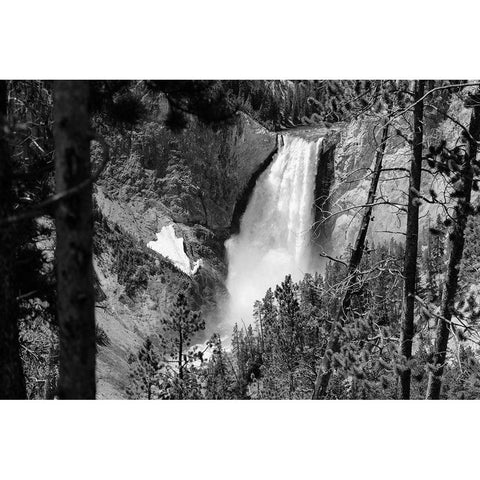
(244, 198)
(321, 233)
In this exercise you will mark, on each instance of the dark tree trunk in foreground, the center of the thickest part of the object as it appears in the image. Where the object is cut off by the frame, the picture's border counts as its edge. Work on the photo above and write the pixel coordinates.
(411, 241)
(12, 381)
(325, 370)
(457, 241)
(74, 225)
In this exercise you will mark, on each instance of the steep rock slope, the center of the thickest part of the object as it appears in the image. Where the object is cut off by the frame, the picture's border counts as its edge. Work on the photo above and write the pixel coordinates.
(191, 180)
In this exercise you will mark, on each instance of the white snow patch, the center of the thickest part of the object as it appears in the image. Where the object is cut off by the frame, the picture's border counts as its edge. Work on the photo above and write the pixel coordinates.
(198, 263)
(171, 247)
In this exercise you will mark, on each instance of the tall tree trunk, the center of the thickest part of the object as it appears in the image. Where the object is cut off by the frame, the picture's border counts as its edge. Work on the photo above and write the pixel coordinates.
(74, 225)
(411, 242)
(51, 381)
(333, 346)
(180, 354)
(12, 380)
(457, 242)
(180, 360)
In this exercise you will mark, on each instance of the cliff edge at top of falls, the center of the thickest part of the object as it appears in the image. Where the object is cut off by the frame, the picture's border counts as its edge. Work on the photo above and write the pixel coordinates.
(312, 133)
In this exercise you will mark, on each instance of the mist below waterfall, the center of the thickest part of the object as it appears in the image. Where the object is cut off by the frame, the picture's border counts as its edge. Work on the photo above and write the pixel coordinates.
(275, 231)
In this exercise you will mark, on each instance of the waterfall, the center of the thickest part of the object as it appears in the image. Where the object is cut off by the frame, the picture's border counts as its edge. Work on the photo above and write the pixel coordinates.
(275, 230)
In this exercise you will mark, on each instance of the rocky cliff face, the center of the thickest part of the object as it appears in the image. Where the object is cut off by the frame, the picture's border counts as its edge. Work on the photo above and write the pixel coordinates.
(191, 179)
(349, 153)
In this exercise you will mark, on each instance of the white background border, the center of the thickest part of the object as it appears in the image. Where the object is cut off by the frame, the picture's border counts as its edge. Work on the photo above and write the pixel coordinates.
(244, 39)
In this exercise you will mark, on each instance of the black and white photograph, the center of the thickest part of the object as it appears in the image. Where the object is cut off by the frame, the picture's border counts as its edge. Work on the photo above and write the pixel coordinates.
(239, 241)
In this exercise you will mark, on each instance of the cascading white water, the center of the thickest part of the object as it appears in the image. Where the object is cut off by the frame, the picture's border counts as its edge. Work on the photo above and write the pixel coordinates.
(275, 230)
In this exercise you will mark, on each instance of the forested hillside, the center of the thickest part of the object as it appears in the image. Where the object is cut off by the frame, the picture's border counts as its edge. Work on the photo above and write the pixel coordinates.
(129, 209)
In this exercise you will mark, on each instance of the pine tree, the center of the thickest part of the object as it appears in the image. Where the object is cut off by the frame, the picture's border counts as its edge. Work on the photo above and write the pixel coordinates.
(179, 329)
(411, 241)
(470, 265)
(219, 379)
(434, 261)
(145, 373)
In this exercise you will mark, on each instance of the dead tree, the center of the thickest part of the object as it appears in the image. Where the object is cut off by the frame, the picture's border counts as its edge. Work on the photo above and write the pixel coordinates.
(12, 381)
(411, 241)
(74, 227)
(333, 346)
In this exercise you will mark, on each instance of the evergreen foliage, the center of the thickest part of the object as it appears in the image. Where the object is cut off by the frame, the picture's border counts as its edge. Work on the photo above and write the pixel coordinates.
(145, 373)
(277, 356)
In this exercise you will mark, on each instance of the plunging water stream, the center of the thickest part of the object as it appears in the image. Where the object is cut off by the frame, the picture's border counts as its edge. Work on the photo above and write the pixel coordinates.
(275, 230)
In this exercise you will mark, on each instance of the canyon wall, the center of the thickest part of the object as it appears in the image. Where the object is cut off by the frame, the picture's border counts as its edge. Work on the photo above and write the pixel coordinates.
(190, 180)
(342, 186)
(198, 181)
